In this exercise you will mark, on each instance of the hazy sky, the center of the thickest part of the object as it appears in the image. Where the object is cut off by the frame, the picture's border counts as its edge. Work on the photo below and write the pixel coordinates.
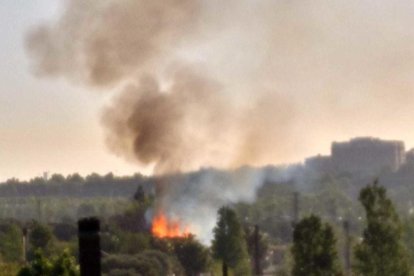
(347, 66)
(45, 124)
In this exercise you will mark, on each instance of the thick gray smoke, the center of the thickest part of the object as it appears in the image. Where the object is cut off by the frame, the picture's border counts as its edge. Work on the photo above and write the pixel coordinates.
(166, 128)
(172, 113)
(225, 83)
(106, 42)
(188, 125)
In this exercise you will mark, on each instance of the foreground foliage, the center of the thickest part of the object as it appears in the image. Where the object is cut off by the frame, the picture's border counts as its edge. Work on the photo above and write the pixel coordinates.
(381, 251)
(229, 243)
(314, 249)
(63, 265)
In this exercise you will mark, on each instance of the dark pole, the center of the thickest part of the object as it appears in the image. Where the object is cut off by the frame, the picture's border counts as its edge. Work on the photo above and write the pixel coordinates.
(89, 247)
(295, 208)
(347, 249)
(39, 210)
(224, 269)
(24, 246)
(257, 268)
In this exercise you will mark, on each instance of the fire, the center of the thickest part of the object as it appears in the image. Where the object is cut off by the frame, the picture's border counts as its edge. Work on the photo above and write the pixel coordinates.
(164, 228)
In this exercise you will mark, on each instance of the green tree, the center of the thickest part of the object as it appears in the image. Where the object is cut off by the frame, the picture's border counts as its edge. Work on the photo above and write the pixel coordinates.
(133, 219)
(381, 251)
(63, 265)
(10, 242)
(192, 255)
(75, 178)
(229, 244)
(140, 195)
(40, 236)
(39, 266)
(314, 249)
(133, 243)
(408, 236)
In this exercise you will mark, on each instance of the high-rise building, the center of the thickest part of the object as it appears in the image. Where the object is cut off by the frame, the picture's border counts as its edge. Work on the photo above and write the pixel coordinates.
(367, 155)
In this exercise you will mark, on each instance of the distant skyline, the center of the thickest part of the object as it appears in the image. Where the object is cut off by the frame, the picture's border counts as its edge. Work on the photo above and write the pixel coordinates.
(342, 85)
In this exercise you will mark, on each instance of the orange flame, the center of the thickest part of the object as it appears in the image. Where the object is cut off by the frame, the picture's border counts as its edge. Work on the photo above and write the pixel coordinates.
(164, 228)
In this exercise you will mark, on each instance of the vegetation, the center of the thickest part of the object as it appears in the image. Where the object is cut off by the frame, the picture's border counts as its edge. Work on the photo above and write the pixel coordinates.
(314, 249)
(40, 236)
(192, 255)
(62, 265)
(151, 263)
(325, 201)
(11, 242)
(381, 251)
(229, 244)
(10, 269)
(75, 186)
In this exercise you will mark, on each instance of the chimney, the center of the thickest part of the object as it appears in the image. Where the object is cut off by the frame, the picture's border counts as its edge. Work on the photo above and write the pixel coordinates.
(89, 247)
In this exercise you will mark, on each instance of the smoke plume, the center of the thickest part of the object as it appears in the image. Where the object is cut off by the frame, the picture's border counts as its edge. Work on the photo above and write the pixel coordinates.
(193, 198)
(202, 83)
(189, 125)
(105, 42)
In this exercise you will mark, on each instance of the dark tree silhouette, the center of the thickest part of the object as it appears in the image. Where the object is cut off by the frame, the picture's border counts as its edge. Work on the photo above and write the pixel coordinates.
(314, 249)
(229, 244)
(140, 195)
(193, 256)
(381, 251)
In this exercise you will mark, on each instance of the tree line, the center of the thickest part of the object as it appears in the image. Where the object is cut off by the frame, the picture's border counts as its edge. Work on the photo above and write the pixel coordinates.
(380, 250)
(130, 249)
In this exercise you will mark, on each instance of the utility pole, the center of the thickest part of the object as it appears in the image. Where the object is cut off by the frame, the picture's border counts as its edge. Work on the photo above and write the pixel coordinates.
(347, 248)
(25, 231)
(295, 208)
(257, 267)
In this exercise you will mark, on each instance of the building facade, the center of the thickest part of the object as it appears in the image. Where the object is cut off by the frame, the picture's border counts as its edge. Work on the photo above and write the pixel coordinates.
(367, 155)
